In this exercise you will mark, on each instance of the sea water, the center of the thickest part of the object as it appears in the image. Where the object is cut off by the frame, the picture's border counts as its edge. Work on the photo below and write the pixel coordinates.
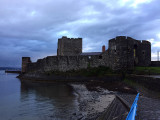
(19, 101)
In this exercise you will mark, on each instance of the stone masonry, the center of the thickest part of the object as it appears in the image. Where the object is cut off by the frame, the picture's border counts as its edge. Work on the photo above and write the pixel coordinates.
(25, 61)
(69, 46)
(123, 53)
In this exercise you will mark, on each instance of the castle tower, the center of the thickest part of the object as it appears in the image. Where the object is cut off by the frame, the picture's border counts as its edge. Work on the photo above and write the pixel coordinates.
(144, 53)
(25, 61)
(126, 52)
(121, 53)
(69, 46)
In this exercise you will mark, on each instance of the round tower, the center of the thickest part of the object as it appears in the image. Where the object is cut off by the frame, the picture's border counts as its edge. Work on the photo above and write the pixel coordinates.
(121, 53)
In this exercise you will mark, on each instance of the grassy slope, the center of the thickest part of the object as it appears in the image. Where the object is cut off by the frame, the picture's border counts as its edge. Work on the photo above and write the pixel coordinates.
(146, 70)
(99, 71)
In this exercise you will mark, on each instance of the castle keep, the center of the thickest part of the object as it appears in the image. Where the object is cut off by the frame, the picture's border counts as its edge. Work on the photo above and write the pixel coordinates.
(69, 46)
(123, 53)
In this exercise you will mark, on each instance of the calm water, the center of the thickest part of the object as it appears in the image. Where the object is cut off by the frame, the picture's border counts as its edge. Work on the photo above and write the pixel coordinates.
(19, 101)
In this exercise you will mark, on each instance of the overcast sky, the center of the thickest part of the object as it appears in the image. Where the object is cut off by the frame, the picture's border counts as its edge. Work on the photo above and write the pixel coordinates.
(32, 27)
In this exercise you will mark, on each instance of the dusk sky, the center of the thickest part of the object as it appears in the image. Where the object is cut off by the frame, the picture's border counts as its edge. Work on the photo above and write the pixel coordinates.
(32, 27)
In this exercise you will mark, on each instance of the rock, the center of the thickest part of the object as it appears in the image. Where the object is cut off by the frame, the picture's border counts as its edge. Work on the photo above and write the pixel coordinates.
(74, 114)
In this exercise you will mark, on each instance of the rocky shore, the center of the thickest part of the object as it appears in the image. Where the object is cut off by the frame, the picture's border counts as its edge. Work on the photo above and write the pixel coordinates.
(92, 103)
(95, 102)
(103, 95)
(94, 96)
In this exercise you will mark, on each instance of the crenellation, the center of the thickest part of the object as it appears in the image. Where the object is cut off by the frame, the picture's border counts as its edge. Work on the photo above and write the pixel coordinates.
(120, 38)
(145, 42)
(129, 38)
(123, 53)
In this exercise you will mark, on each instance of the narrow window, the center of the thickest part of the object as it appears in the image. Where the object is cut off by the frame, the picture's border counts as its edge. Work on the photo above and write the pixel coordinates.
(143, 52)
(115, 49)
(100, 57)
(134, 53)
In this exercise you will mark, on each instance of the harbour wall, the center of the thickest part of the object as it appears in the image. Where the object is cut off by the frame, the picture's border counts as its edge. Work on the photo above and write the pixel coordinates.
(150, 82)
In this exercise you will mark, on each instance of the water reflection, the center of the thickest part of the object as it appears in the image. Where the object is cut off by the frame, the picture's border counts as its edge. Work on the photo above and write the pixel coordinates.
(21, 101)
(48, 101)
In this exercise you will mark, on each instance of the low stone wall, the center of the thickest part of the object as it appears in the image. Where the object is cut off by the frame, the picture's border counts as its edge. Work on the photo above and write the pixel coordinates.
(147, 81)
(56, 78)
(155, 63)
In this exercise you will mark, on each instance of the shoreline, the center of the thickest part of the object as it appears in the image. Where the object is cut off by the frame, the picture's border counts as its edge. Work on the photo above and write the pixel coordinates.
(67, 78)
(110, 82)
(94, 96)
(126, 89)
(93, 101)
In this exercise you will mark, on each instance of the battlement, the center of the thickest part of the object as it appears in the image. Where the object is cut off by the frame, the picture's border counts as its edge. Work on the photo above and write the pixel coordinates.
(123, 53)
(129, 38)
(65, 37)
(146, 42)
(26, 58)
(126, 38)
(121, 38)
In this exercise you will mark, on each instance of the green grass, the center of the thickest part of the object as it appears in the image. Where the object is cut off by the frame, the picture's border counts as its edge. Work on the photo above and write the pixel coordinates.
(146, 70)
(89, 72)
(142, 88)
(129, 82)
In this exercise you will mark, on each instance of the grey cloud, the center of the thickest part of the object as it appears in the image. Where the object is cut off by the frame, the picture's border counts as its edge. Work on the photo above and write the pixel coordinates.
(32, 28)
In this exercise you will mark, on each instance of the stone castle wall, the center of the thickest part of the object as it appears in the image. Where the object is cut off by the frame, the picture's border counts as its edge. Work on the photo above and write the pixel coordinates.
(143, 53)
(126, 52)
(123, 54)
(67, 63)
(155, 63)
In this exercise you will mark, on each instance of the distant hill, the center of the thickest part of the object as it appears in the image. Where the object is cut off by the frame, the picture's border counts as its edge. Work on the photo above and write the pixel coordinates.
(10, 68)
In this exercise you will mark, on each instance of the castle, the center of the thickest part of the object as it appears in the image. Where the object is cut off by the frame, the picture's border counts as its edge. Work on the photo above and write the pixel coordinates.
(123, 53)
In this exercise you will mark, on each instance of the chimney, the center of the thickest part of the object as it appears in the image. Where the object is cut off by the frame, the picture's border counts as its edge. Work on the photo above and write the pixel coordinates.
(103, 48)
